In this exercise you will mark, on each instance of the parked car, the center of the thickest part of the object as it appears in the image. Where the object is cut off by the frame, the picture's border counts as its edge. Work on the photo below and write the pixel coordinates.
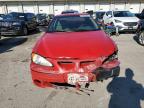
(124, 20)
(140, 30)
(69, 11)
(137, 14)
(74, 51)
(42, 19)
(90, 12)
(18, 23)
(98, 17)
(51, 16)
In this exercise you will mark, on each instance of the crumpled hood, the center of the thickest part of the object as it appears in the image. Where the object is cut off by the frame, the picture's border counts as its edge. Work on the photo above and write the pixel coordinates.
(81, 45)
(127, 19)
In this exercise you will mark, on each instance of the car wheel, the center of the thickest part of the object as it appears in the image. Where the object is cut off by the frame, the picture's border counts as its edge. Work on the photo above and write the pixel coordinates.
(141, 38)
(25, 31)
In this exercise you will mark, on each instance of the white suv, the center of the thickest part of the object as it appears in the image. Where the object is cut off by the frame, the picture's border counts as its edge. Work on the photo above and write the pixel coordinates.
(124, 20)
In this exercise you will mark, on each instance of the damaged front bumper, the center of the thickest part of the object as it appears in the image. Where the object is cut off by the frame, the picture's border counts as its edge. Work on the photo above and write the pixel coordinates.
(77, 74)
(103, 73)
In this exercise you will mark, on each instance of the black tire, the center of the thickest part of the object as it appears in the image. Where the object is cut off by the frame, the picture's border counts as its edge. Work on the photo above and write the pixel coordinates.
(25, 31)
(141, 38)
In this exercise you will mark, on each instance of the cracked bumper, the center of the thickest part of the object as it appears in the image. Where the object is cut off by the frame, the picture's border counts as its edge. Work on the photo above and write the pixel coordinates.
(42, 75)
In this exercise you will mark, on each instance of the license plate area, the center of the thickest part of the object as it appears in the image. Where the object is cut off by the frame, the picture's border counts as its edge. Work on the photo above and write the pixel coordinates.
(130, 27)
(74, 78)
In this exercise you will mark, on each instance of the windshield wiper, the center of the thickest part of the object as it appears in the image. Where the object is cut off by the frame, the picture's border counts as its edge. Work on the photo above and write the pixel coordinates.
(63, 31)
(59, 31)
(83, 30)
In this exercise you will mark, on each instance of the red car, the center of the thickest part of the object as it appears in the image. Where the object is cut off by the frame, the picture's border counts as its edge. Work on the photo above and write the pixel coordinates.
(75, 51)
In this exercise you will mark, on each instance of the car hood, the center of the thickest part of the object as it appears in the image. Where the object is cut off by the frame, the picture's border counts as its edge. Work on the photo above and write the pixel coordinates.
(80, 45)
(127, 19)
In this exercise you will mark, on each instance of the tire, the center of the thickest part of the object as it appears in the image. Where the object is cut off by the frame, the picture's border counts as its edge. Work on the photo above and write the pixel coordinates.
(141, 38)
(25, 31)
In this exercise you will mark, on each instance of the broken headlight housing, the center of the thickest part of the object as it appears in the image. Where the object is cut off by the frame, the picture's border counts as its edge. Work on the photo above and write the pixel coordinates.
(111, 57)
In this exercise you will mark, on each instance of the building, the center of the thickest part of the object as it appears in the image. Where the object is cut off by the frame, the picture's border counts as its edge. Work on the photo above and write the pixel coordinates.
(56, 6)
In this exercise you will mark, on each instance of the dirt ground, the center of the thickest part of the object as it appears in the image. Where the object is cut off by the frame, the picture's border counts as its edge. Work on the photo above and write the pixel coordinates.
(18, 91)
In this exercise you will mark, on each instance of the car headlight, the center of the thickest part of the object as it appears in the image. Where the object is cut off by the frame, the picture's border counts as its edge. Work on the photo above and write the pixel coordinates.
(111, 57)
(37, 59)
(118, 21)
(16, 23)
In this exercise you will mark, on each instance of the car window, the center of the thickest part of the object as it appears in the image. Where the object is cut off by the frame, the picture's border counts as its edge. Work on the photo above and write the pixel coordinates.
(72, 24)
(8, 16)
(41, 16)
(69, 12)
(123, 14)
(33, 16)
(19, 16)
(109, 13)
(29, 16)
(100, 15)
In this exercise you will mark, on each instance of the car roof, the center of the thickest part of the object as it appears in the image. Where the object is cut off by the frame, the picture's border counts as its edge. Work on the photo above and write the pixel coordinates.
(20, 13)
(70, 11)
(15, 13)
(72, 14)
(119, 10)
(41, 14)
(100, 11)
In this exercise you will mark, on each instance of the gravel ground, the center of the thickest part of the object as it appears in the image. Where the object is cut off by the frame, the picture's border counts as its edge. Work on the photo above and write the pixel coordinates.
(18, 91)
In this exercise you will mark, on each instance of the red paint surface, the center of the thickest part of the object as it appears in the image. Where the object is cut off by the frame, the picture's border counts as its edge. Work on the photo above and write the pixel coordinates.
(81, 45)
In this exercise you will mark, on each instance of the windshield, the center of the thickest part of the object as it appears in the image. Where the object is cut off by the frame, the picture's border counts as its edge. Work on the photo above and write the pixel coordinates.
(123, 14)
(100, 15)
(69, 12)
(12, 16)
(41, 16)
(72, 24)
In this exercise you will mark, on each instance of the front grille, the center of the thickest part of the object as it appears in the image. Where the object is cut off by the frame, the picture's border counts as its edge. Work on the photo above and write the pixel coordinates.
(130, 23)
(6, 24)
(6, 28)
(78, 66)
(66, 65)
